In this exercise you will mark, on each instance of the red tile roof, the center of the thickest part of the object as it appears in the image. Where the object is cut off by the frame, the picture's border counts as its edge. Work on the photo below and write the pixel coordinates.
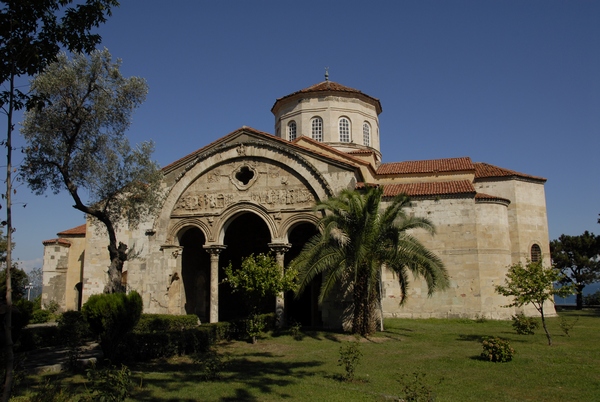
(427, 189)
(79, 230)
(330, 86)
(361, 152)
(426, 166)
(487, 197)
(62, 242)
(190, 157)
(485, 171)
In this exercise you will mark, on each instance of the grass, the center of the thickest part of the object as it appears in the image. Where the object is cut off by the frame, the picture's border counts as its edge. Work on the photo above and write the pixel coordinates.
(444, 354)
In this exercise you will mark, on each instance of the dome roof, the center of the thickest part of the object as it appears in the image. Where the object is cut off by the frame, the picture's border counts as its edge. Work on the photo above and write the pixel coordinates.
(332, 88)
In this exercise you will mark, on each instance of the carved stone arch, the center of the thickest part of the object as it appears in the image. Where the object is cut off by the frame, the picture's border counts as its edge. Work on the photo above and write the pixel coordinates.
(178, 227)
(225, 153)
(296, 219)
(243, 207)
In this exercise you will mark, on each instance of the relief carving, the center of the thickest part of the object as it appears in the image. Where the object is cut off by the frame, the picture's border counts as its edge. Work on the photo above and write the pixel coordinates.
(195, 202)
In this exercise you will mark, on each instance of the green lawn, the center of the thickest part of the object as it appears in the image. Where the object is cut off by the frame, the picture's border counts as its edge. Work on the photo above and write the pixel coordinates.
(446, 351)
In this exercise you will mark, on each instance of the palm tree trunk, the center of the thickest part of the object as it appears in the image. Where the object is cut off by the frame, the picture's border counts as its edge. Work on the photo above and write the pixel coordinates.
(380, 299)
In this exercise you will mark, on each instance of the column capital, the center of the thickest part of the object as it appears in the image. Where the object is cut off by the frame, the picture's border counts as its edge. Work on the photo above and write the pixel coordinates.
(173, 248)
(280, 247)
(214, 249)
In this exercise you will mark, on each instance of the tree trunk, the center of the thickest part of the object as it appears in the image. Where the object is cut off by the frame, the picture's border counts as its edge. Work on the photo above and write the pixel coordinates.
(364, 321)
(118, 256)
(544, 325)
(579, 297)
(8, 347)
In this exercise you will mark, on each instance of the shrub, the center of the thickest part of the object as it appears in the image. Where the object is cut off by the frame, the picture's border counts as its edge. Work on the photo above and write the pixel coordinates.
(166, 322)
(52, 306)
(416, 389)
(109, 384)
(210, 364)
(350, 355)
(567, 325)
(497, 350)
(592, 299)
(111, 316)
(40, 316)
(73, 329)
(524, 325)
(255, 325)
(38, 337)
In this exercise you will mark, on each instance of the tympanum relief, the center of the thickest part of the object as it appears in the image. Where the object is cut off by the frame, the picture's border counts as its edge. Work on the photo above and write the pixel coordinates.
(268, 185)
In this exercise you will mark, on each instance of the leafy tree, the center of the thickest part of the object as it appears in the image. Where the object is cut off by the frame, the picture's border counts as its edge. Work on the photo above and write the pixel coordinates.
(32, 33)
(578, 258)
(533, 283)
(260, 279)
(36, 281)
(19, 281)
(358, 238)
(77, 143)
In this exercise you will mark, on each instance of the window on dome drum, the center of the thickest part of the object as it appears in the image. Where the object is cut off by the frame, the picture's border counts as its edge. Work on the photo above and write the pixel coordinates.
(317, 129)
(344, 127)
(291, 128)
(536, 253)
(366, 134)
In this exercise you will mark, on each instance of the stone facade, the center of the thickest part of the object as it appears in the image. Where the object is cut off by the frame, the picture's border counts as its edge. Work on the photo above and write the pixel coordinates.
(252, 192)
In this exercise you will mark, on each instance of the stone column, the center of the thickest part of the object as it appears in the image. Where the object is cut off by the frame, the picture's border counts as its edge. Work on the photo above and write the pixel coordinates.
(280, 249)
(214, 251)
(175, 295)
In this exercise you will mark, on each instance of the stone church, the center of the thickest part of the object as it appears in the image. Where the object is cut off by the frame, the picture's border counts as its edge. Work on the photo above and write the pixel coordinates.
(254, 192)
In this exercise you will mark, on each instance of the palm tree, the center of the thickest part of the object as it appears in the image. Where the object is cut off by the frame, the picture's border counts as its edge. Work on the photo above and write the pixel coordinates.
(357, 240)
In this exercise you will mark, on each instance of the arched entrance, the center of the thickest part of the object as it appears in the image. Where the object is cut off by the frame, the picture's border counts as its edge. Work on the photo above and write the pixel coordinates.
(195, 272)
(246, 234)
(305, 309)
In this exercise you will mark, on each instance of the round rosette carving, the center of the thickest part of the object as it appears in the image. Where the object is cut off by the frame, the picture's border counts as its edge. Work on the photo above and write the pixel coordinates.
(244, 177)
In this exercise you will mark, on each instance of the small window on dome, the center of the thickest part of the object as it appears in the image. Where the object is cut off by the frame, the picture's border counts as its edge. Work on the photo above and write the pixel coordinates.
(291, 128)
(536, 253)
(344, 128)
(366, 134)
(317, 129)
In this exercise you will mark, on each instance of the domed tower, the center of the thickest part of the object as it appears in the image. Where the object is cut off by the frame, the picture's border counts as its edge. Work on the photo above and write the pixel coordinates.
(343, 118)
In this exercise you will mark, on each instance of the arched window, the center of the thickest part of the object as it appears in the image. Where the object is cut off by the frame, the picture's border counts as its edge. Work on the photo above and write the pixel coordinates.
(317, 129)
(291, 128)
(344, 128)
(536, 253)
(366, 134)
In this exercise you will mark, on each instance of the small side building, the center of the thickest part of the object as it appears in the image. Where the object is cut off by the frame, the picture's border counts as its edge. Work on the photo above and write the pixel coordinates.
(63, 268)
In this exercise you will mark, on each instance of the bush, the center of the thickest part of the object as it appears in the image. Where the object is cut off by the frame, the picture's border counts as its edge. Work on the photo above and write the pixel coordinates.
(111, 316)
(567, 325)
(497, 350)
(592, 299)
(524, 325)
(40, 316)
(165, 322)
(109, 384)
(416, 389)
(73, 329)
(210, 364)
(38, 337)
(350, 355)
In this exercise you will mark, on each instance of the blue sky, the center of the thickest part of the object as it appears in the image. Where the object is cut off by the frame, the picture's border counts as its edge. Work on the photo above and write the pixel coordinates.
(511, 83)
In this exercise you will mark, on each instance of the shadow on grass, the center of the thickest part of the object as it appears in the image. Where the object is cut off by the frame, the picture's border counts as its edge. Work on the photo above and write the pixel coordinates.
(470, 337)
(254, 374)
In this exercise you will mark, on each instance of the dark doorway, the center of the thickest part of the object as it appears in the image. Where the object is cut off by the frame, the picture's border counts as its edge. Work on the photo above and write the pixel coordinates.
(304, 309)
(195, 271)
(247, 234)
